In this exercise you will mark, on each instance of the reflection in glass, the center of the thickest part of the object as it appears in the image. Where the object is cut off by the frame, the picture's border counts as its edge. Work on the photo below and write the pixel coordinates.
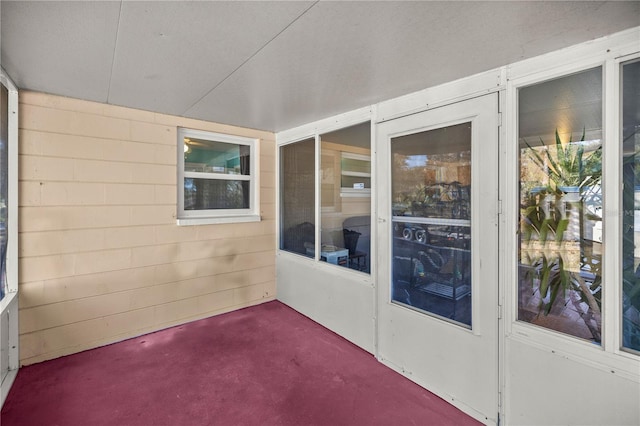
(346, 197)
(297, 197)
(356, 168)
(631, 206)
(206, 156)
(431, 251)
(560, 256)
(214, 194)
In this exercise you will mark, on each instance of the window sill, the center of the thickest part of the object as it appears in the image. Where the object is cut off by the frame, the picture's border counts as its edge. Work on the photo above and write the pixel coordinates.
(355, 193)
(215, 220)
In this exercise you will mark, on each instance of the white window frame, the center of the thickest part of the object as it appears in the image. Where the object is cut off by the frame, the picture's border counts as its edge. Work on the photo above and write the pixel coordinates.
(608, 355)
(314, 131)
(351, 192)
(213, 216)
(9, 304)
(614, 160)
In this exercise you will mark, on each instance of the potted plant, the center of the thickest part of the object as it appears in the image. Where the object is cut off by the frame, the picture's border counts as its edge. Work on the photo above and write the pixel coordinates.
(569, 168)
(574, 178)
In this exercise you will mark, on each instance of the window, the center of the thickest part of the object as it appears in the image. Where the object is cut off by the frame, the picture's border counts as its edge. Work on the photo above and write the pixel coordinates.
(325, 208)
(356, 174)
(4, 187)
(217, 178)
(297, 199)
(9, 341)
(631, 206)
(345, 230)
(8, 192)
(560, 254)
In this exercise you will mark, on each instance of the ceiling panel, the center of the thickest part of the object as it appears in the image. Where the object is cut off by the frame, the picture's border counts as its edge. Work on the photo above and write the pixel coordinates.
(275, 65)
(570, 105)
(345, 55)
(170, 54)
(60, 47)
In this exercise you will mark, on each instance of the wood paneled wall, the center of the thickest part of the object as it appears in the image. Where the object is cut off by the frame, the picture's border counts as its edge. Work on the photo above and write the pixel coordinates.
(101, 257)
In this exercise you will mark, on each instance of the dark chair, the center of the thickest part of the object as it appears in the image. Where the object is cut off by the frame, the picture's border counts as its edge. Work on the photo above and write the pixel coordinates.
(357, 238)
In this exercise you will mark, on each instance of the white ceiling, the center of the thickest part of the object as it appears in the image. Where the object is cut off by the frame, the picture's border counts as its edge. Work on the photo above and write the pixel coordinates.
(275, 65)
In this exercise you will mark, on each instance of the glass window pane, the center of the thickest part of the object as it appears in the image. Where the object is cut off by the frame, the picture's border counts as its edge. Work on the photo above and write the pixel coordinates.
(218, 177)
(4, 186)
(346, 212)
(297, 197)
(356, 165)
(356, 182)
(431, 188)
(560, 256)
(213, 194)
(207, 156)
(631, 206)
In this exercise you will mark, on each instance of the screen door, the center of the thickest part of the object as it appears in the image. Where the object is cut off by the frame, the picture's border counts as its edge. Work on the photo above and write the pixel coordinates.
(438, 228)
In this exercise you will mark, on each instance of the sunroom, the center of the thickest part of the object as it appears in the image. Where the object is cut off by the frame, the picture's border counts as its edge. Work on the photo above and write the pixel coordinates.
(450, 186)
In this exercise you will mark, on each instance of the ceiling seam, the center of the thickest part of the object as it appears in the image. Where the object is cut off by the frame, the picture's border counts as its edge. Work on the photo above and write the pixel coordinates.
(250, 57)
(113, 57)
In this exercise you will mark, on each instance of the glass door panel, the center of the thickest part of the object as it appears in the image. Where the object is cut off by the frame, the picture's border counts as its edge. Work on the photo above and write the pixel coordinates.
(431, 205)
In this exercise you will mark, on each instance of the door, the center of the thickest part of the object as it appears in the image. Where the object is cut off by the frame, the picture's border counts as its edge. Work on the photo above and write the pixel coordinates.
(438, 262)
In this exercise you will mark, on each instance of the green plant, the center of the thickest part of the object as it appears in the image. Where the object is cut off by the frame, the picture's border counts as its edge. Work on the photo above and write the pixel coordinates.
(547, 225)
(630, 274)
(544, 220)
(569, 165)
